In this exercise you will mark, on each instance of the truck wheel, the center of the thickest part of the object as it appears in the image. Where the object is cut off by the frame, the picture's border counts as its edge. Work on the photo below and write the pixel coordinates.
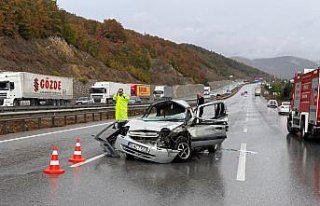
(16, 103)
(289, 126)
(185, 149)
(34, 102)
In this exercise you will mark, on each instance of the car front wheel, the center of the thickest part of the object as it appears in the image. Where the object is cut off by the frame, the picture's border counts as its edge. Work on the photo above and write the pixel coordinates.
(184, 149)
(214, 148)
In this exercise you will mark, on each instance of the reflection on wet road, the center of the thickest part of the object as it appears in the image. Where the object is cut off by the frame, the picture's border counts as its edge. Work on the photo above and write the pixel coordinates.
(279, 169)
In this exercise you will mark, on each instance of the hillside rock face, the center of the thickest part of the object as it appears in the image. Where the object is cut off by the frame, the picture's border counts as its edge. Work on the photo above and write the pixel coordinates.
(55, 57)
(89, 49)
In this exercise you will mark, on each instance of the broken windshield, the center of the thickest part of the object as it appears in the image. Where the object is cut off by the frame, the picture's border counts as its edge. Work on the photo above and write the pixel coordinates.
(166, 111)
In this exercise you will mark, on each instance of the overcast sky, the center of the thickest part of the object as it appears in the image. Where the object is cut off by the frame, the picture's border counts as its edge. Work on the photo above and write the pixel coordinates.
(249, 28)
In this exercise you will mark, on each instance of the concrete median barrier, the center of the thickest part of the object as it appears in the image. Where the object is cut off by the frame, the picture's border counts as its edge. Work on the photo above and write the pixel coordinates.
(187, 90)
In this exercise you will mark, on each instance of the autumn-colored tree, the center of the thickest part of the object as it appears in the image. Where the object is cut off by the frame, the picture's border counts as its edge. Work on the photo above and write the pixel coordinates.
(9, 11)
(110, 43)
(113, 30)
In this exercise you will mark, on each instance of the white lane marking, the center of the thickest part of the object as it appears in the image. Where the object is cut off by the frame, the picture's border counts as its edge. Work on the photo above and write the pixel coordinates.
(246, 151)
(50, 133)
(245, 130)
(89, 160)
(241, 174)
(237, 150)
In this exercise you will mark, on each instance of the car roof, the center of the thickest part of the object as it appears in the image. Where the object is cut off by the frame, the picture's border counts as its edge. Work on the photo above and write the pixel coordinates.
(182, 103)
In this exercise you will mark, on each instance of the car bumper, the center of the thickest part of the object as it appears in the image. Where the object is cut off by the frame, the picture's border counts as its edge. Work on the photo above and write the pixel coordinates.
(154, 154)
(283, 111)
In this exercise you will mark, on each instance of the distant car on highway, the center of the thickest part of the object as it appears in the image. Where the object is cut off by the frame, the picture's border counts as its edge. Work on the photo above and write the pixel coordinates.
(84, 101)
(272, 103)
(245, 93)
(134, 100)
(218, 96)
(228, 92)
(284, 108)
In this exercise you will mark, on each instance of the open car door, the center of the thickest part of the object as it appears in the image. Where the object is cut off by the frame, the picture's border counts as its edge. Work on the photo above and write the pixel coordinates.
(211, 123)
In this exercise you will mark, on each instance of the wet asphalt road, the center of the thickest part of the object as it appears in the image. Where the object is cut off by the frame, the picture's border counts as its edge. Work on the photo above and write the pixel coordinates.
(282, 170)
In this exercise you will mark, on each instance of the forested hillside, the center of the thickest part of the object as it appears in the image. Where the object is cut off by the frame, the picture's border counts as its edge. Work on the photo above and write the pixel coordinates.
(100, 50)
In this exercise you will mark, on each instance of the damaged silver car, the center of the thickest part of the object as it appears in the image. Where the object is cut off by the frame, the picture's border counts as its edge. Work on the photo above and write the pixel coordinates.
(169, 130)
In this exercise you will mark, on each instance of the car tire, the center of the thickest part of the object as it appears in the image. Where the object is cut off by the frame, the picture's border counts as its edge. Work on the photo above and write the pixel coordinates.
(185, 153)
(214, 148)
(129, 157)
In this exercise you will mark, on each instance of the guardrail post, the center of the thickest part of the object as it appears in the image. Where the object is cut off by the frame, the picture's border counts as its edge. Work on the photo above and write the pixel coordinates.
(100, 116)
(76, 119)
(52, 121)
(93, 117)
(39, 122)
(85, 118)
(4, 127)
(24, 126)
(107, 113)
(65, 123)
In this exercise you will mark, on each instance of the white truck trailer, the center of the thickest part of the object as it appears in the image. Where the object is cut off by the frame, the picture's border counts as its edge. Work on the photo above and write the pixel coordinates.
(102, 92)
(24, 89)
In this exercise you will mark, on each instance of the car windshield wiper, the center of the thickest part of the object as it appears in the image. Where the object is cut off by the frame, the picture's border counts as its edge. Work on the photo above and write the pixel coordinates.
(174, 119)
(154, 120)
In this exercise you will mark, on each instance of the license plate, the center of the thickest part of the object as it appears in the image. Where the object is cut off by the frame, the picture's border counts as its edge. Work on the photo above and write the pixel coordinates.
(138, 147)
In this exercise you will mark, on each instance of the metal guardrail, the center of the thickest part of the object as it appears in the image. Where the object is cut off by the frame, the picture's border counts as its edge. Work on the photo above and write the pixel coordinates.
(52, 118)
(49, 107)
(60, 116)
(62, 107)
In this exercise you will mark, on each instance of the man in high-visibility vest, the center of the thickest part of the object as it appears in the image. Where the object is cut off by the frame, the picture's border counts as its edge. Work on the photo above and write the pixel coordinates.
(121, 100)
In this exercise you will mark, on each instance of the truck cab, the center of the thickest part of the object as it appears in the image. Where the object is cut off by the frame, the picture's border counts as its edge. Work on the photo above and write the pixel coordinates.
(6, 91)
(102, 92)
(163, 93)
(158, 92)
(206, 92)
(10, 84)
(99, 93)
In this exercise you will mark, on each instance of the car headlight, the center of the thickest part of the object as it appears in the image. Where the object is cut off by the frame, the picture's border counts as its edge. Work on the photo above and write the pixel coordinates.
(163, 137)
(125, 130)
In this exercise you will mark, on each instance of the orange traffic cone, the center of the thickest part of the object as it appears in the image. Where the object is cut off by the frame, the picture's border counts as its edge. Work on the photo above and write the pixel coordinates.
(54, 167)
(77, 157)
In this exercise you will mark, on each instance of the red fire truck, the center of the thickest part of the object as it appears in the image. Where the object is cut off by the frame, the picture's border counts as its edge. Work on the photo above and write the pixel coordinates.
(305, 115)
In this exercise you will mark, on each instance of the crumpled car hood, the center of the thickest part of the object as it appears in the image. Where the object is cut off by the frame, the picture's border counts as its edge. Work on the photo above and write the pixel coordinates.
(139, 124)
